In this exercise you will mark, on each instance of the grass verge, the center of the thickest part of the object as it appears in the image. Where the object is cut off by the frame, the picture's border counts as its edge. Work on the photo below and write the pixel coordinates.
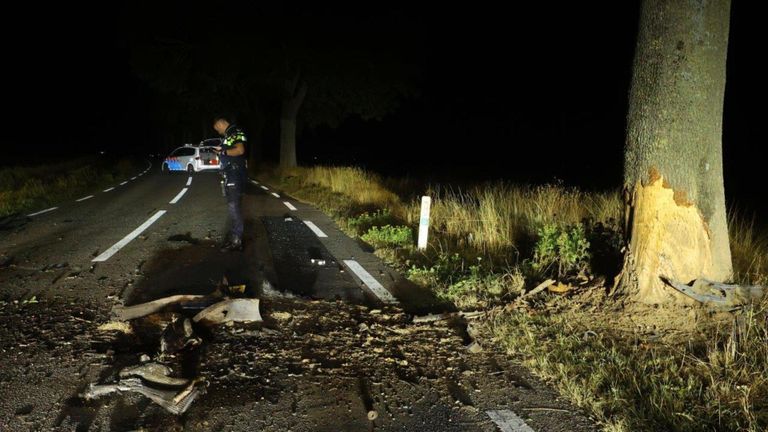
(34, 187)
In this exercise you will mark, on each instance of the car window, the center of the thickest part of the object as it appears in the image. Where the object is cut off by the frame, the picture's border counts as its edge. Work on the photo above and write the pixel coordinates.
(187, 152)
(176, 152)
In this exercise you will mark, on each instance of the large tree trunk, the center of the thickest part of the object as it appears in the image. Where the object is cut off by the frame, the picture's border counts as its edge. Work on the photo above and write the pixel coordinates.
(673, 170)
(293, 97)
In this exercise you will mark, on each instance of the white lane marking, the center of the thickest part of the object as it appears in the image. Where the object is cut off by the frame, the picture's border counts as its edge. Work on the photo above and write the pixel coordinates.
(84, 198)
(374, 285)
(264, 187)
(42, 211)
(507, 421)
(107, 190)
(289, 205)
(315, 229)
(254, 182)
(133, 178)
(127, 239)
(275, 195)
(189, 181)
(123, 183)
(178, 197)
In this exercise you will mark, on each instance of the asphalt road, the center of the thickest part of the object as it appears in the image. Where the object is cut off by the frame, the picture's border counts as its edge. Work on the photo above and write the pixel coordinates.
(338, 342)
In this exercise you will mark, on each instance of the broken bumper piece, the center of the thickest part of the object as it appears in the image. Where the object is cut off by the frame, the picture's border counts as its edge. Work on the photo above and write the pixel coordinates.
(174, 401)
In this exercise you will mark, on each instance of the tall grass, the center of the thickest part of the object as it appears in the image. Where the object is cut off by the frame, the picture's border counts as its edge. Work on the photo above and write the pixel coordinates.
(489, 218)
(362, 186)
(493, 217)
(713, 383)
(749, 248)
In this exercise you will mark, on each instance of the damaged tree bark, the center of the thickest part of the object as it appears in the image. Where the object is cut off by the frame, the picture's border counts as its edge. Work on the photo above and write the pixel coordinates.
(673, 174)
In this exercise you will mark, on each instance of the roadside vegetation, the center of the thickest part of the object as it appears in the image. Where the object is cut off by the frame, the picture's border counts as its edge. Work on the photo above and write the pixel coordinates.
(631, 368)
(34, 187)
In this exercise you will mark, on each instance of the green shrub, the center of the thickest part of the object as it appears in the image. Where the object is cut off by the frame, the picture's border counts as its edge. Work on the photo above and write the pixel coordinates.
(388, 236)
(561, 249)
(363, 223)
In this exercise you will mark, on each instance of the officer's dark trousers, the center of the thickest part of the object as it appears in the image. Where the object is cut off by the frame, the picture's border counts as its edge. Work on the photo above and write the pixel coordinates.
(234, 192)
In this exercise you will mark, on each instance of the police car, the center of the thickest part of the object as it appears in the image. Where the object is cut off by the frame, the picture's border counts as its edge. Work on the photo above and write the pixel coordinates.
(193, 158)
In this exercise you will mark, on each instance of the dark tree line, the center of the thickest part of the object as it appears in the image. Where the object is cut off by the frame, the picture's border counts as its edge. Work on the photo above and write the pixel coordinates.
(275, 68)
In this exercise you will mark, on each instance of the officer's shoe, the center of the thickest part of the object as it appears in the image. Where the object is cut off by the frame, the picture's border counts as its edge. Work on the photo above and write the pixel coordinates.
(232, 245)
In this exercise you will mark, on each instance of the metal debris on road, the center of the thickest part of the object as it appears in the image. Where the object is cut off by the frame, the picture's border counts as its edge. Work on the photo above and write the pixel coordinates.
(175, 402)
(230, 310)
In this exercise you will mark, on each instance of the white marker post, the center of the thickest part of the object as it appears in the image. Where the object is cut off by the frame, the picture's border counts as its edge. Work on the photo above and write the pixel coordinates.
(426, 202)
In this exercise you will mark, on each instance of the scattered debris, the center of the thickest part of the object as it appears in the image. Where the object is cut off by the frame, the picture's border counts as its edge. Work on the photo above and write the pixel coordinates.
(174, 402)
(31, 300)
(559, 288)
(155, 373)
(236, 289)
(316, 256)
(125, 313)
(472, 330)
(119, 326)
(718, 294)
(547, 409)
(539, 288)
(177, 336)
(446, 316)
(281, 316)
(57, 266)
(237, 310)
(474, 347)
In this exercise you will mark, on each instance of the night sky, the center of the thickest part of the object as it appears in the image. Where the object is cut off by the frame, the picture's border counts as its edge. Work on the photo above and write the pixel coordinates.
(527, 94)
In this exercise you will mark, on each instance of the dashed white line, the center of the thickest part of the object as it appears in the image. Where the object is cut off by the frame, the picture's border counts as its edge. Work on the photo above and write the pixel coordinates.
(109, 189)
(123, 183)
(42, 211)
(289, 205)
(178, 197)
(275, 195)
(127, 239)
(507, 421)
(264, 187)
(189, 181)
(84, 198)
(133, 178)
(315, 229)
(374, 285)
(254, 182)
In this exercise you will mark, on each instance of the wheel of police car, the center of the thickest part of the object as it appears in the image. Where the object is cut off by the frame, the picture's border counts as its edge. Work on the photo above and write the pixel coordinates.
(164, 168)
(190, 169)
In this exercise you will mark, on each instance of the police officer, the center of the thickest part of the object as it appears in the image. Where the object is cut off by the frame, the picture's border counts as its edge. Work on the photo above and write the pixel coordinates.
(232, 159)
